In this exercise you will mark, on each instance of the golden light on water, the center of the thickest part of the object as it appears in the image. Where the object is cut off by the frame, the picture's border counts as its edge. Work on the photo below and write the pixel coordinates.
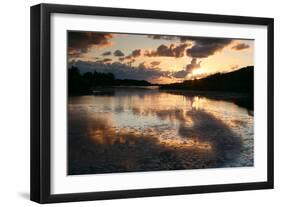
(111, 136)
(191, 143)
(198, 102)
(108, 129)
(132, 129)
(149, 130)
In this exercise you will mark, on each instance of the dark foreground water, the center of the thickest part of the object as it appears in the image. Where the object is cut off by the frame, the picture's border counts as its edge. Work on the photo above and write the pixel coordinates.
(142, 129)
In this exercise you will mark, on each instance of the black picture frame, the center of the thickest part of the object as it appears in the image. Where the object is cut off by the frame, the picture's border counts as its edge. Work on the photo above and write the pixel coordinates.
(41, 95)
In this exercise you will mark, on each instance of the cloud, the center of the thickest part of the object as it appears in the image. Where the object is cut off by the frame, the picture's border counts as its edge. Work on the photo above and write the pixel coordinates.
(192, 65)
(179, 50)
(134, 54)
(146, 65)
(129, 57)
(204, 47)
(121, 71)
(168, 51)
(106, 53)
(81, 42)
(143, 65)
(169, 37)
(180, 74)
(188, 69)
(131, 61)
(122, 59)
(118, 53)
(73, 53)
(164, 50)
(240, 46)
(155, 63)
(162, 37)
(182, 39)
(105, 60)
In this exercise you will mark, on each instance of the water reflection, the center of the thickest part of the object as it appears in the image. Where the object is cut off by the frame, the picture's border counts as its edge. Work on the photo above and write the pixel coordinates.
(145, 130)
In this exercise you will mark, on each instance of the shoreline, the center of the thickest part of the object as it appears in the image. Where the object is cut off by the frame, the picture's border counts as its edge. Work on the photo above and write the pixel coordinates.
(241, 99)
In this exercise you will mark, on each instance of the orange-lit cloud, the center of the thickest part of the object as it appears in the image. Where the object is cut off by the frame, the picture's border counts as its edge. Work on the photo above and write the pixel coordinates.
(164, 57)
(155, 63)
(188, 69)
(135, 53)
(106, 53)
(168, 51)
(240, 46)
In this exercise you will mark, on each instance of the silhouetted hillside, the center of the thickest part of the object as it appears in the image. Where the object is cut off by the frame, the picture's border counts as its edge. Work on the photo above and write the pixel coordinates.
(84, 83)
(131, 82)
(241, 80)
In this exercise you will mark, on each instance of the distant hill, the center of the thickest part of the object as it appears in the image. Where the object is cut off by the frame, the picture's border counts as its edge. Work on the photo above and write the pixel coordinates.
(84, 83)
(241, 80)
(131, 82)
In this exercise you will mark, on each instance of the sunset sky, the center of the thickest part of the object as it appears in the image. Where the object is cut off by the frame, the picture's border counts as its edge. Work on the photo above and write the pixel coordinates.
(157, 58)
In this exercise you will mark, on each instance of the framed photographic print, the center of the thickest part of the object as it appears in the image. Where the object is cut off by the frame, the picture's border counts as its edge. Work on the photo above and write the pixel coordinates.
(133, 103)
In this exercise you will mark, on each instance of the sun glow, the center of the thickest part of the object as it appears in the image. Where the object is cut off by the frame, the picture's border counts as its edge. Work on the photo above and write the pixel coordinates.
(199, 71)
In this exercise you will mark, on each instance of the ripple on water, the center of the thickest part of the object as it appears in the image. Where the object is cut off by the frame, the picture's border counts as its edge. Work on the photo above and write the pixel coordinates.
(156, 131)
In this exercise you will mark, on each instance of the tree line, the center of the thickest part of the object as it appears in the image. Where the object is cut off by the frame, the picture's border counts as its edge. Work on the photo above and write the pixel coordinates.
(84, 83)
(241, 80)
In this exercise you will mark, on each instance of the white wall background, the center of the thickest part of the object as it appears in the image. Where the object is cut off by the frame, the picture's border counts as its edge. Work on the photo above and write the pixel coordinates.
(14, 108)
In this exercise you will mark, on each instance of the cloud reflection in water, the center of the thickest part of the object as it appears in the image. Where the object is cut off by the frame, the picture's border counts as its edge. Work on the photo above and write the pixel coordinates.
(146, 131)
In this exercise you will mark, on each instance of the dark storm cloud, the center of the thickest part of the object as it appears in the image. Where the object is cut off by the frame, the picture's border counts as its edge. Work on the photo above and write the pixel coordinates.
(168, 51)
(118, 53)
(81, 42)
(240, 46)
(106, 53)
(188, 69)
(120, 70)
(204, 47)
